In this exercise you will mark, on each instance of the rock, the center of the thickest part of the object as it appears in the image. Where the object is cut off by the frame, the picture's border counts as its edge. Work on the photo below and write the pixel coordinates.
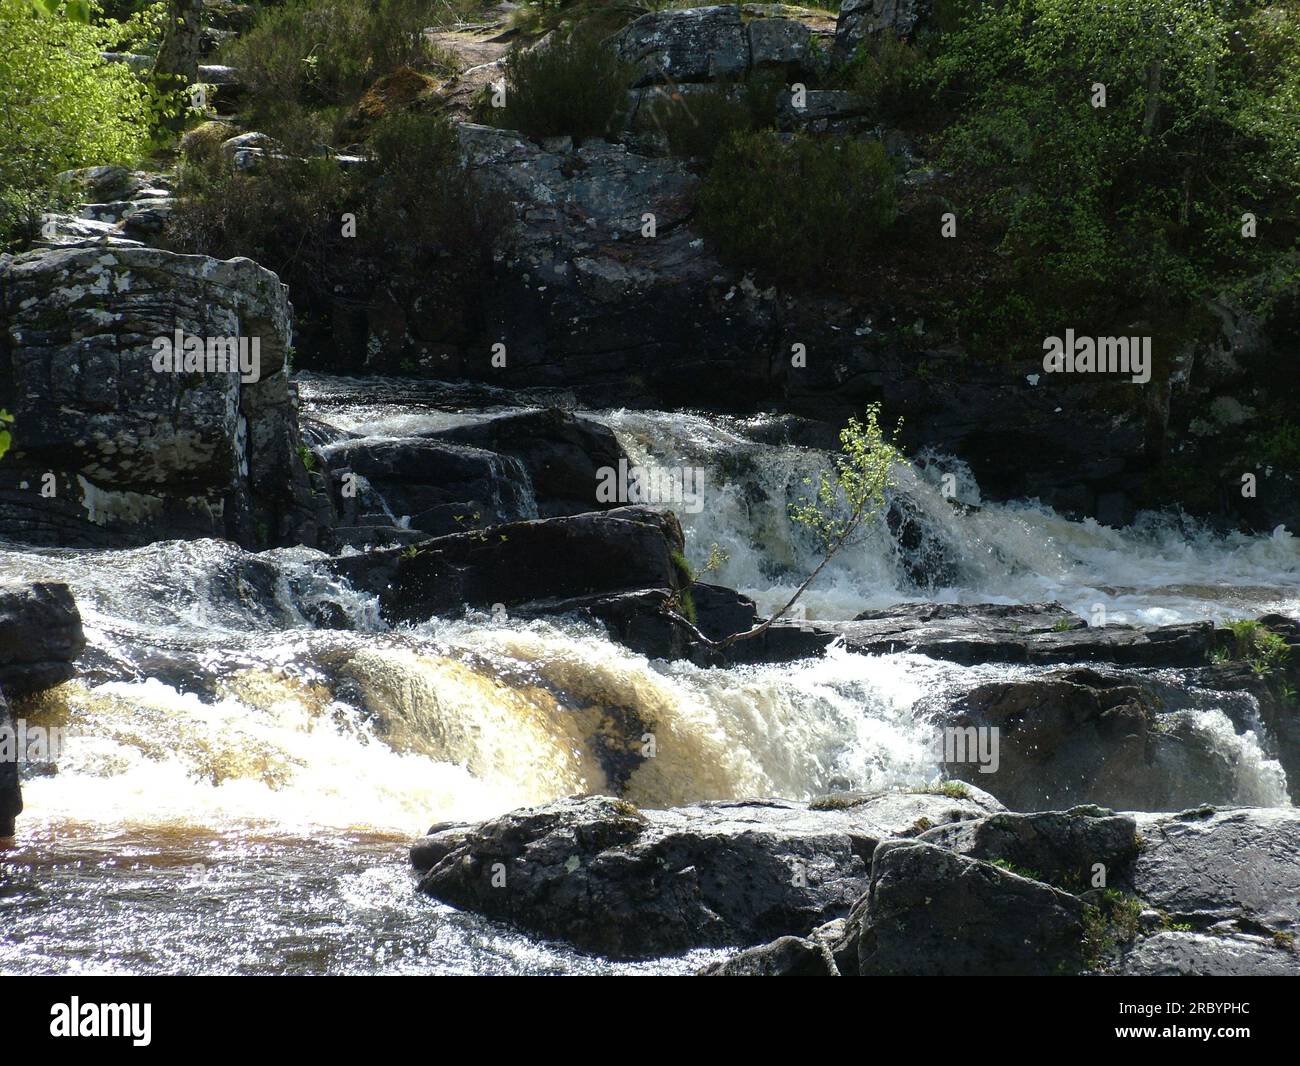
(787, 956)
(1078, 737)
(11, 795)
(862, 20)
(521, 562)
(1235, 865)
(438, 488)
(688, 44)
(130, 453)
(1025, 633)
(610, 878)
(40, 635)
(1181, 954)
(1060, 848)
(929, 912)
(564, 455)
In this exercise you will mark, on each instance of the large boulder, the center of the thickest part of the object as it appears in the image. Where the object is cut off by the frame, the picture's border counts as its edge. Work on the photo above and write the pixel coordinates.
(1062, 848)
(624, 882)
(40, 635)
(1207, 866)
(431, 486)
(1021, 633)
(1082, 737)
(108, 450)
(704, 44)
(521, 563)
(930, 912)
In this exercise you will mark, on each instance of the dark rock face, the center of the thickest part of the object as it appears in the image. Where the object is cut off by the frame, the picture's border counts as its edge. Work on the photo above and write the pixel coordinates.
(943, 903)
(609, 878)
(712, 43)
(40, 635)
(563, 455)
(108, 451)
(11, 796)
(930, 912)
(439, 488)
(522, 562)
(862, 20)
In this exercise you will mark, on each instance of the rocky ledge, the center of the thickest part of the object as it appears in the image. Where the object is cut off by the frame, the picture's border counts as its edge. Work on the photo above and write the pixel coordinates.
(890, 883)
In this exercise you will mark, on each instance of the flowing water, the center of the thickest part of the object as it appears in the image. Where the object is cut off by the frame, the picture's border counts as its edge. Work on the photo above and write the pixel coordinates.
(237, 783)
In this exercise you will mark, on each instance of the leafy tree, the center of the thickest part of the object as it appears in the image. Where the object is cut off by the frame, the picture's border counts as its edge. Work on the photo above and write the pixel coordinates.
(1107, 212)
(61, 107)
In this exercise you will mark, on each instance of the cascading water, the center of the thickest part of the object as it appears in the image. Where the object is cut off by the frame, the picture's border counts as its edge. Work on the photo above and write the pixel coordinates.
(228, 742)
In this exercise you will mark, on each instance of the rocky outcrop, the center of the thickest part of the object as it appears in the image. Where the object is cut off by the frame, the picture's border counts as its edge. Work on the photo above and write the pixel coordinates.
(40, 635)
(1205, 892)
(625, 882)
(712, 44)
(110, 451)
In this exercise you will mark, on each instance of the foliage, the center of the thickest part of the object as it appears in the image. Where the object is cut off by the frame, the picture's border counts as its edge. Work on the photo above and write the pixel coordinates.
(1264, 651)
(61, 107)
(798, 210)
(854, 489)
(696, 125)
(572, 84)
(847, 496)
(1138, 204)
(328, 51)
(6, 438)
(888, 74)
(418, 212)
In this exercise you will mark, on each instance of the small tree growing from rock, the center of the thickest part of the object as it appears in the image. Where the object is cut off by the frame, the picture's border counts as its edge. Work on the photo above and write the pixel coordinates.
(847, 497)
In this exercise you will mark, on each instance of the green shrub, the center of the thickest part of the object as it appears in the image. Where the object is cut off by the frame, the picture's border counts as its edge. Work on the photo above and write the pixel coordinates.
(1108, 214)
(328, 51)
(61, 107)
(798, 210)
(572, 85)
(421, 217)
(887, 73)
(698, 124)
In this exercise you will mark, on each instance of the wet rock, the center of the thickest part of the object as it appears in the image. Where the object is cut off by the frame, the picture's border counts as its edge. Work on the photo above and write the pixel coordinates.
(40, 635)
(625, 549)
(1022, 633)
(11, 796)
(109, 451)
(564, 455)
(626, 883)
(929, 912)
(434, 487)
(1080, 737)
